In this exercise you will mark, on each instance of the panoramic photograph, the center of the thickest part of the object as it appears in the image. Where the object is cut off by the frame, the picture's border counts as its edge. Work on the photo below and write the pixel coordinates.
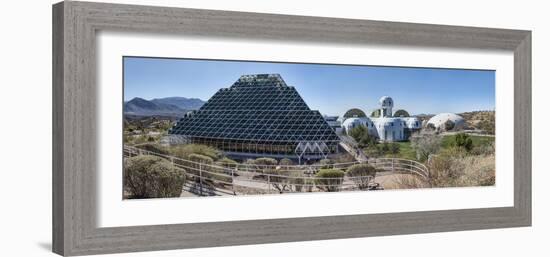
(194, 128)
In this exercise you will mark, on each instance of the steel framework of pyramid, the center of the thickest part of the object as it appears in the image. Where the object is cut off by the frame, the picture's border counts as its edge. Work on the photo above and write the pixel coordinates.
(259, 115)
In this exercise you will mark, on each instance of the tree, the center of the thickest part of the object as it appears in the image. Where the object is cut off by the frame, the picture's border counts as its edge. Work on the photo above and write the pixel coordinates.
(355, 112)
(361, 175)
(425, 144)
(329, 180)
(462, 140)
(358, 132)
(147, 176)
(362, 136)
(401, 113)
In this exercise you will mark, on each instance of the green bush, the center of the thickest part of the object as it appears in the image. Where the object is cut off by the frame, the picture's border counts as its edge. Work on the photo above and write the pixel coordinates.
(265, 161)
(227, 163)
(329, 180)
(385, 147)
(199, 163)
(184, 151)
(155, 148)
(361, 174)
(202, 166)
(286, 162)
(152, 177)
(464, 141)
(201, 158)
(325, 163)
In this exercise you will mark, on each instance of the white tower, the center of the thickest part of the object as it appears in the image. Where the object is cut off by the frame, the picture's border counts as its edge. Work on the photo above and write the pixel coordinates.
(386, 105)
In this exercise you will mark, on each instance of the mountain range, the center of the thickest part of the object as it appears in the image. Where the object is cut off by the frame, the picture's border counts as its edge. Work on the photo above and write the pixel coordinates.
(169, 106)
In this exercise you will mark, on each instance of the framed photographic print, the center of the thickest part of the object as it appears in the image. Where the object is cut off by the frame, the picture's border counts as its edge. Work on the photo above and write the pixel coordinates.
(267, 126)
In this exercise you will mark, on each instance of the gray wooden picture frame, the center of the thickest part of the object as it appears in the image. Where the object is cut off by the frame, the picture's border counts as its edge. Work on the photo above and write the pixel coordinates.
(75, 25)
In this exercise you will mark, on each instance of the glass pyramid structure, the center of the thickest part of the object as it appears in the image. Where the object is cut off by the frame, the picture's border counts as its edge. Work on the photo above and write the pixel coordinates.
(259, 115)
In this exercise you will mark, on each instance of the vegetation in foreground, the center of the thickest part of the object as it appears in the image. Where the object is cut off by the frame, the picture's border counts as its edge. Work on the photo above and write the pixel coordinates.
(152, 177)
(453, 160)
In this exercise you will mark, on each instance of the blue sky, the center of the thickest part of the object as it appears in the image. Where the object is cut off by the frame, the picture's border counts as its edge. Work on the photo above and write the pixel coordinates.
(331, 89)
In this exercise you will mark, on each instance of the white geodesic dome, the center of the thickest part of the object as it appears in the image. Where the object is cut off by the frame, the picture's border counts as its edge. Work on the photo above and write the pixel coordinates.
(438, 121)
(350, 123)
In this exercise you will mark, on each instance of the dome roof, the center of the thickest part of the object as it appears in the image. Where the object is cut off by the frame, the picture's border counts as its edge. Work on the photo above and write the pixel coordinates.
(438, 121)
(350, 123)
(386, 101)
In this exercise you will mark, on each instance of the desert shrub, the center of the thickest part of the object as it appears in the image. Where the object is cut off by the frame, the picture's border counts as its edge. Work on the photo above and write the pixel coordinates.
(325, 163)
(202, 165)
(394, 148)
(201, 158)
(385, 147)
(155, 148)
(286, 162)
(140, 139)
(408, 181)
(484, 149)
(184, 151)
(425, 145)
(329, 180)
(454, 167)
(487, 125)
(227, 163)
(296, 178)
(148, 176)
(355, 112)
(462, 140)
(341, 158)
(401, 113)
(361, 174)
(278, 178)
(265, 161)
(127, 139)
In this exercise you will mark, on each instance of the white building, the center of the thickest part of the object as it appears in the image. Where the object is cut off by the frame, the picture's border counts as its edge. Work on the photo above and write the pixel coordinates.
(386, 127)
(437, 122)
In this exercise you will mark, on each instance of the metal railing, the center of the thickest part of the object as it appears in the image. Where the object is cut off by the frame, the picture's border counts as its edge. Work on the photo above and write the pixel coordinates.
(218, 179)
